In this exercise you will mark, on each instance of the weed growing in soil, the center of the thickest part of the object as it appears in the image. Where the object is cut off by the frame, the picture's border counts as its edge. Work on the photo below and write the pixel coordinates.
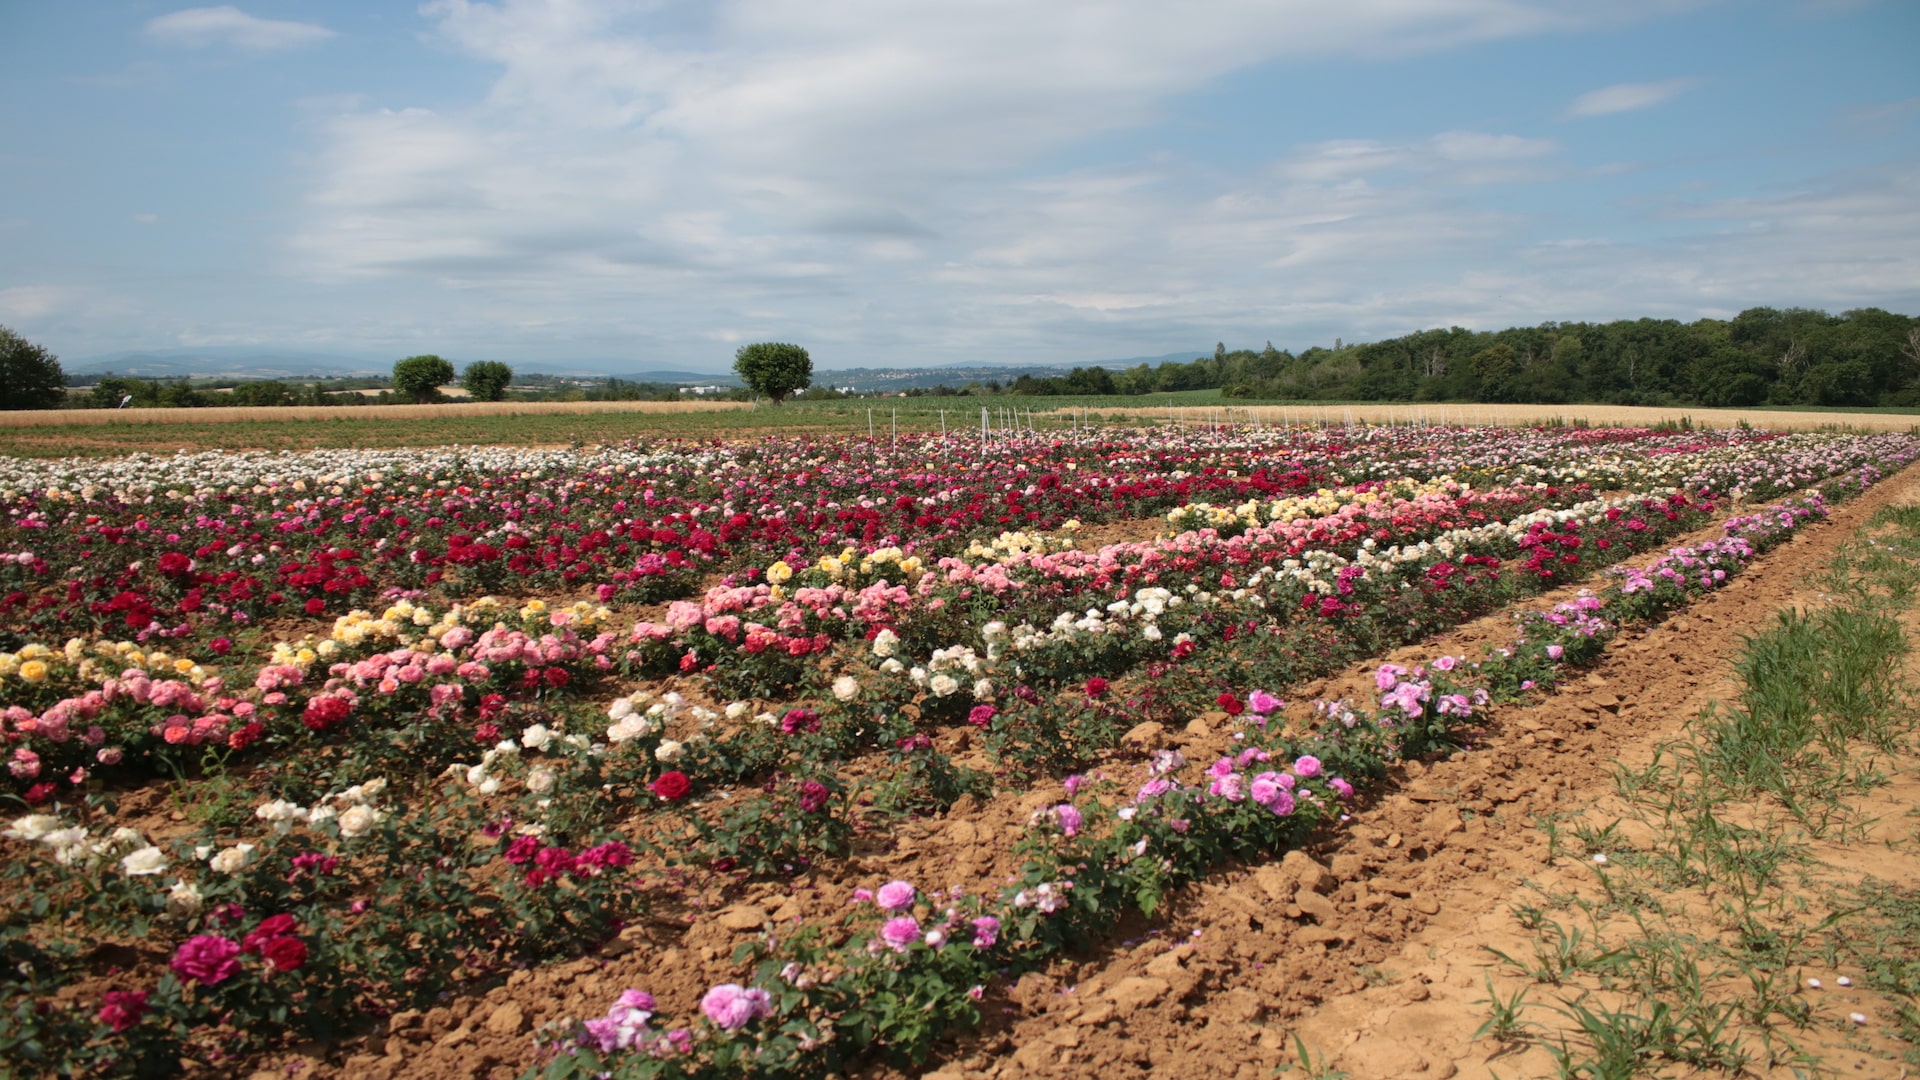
(1710, 975)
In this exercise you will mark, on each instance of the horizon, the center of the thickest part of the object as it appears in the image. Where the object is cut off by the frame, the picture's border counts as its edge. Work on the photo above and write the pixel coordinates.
(956, 184)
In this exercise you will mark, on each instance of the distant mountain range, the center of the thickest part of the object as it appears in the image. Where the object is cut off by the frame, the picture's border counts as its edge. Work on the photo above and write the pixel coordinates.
(226, 361)
(260, 362)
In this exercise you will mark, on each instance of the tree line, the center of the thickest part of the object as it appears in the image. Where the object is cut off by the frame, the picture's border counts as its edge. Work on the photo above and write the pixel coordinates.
(1763, 356)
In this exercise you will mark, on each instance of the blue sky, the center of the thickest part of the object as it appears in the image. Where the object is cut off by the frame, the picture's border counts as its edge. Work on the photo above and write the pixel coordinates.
(650, 183)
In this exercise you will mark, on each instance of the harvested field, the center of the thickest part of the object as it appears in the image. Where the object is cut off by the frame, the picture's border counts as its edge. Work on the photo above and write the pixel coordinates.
(230, 414)
(1528, 416)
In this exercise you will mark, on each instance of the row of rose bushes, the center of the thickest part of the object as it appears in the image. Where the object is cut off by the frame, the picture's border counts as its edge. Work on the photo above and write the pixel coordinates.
(130, 545)
(432, 683)
(432, 705)
(906, 966)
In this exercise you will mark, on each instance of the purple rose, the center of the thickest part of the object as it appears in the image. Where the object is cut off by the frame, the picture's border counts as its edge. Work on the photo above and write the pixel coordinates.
(986, 931)
(1069, 817)
(732, 1006)
(895, 896)
(1307, 767)
(900, 932)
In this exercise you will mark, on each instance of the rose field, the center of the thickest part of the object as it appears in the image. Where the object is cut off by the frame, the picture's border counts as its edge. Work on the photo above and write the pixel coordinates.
(1370, 751)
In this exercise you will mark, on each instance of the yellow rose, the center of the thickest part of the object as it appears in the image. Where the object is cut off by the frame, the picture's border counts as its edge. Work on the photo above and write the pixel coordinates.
(33, 670)
(779, 573)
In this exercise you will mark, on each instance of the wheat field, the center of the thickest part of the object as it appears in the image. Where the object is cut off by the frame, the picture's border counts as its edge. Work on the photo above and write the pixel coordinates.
(1520, 416)
(228, 414)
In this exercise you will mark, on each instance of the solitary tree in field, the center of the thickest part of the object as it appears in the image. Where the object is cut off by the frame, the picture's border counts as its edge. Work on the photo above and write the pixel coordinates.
(773, 368)
(420, 377)
(30, 376)
(487, 380)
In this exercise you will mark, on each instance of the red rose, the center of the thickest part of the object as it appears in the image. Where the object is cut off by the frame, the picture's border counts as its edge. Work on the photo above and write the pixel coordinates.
(221, 646)
(246, 736)
(315, 606)
(123, 1008)
(284, 953)
(522, 849)
(1096, 687)
(325, 711)
(271, 927)
(40, 793)
(1230, 703)
(672, 786)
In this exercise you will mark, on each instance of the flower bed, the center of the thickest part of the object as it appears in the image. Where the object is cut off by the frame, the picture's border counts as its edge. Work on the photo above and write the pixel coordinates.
(491, 777)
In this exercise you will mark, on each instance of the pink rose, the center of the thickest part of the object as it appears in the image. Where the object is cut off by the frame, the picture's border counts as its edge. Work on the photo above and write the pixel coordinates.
(207, 958)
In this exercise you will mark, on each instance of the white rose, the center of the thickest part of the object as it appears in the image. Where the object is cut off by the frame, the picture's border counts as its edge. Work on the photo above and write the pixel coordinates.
(668, 751)
(620, 710)
(884, 643)
(943, 685)
(846, 687)
(540, 781)
(738, 710)
(490, 785)
(63, 838)
(143, 862)
(633, 727)
(536, 737)
(32, 827)
(233, 859)
(893, 667)
(184, 899)
(357, 820)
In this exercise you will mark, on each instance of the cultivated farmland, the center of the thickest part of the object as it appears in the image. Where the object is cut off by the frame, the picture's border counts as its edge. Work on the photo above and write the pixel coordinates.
(1083, 750)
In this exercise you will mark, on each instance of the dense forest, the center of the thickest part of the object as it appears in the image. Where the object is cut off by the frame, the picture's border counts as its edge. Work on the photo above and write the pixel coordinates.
(1762, 356)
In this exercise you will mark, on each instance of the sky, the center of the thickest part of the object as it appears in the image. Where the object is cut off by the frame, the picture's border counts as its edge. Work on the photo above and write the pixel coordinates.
(652, 183)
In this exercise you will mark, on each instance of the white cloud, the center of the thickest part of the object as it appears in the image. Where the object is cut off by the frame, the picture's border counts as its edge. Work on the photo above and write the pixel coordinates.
(1467, 157)
(1626, 97)
(877, 178)
(226, 25)
(35, 301)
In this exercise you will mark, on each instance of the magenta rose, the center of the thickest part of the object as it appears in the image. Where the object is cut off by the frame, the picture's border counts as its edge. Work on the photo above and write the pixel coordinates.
(207, 958)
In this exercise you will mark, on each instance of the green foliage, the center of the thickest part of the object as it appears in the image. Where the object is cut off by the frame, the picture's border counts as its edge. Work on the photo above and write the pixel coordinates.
(262, 393)
(487, 380)
(30, 376)
(421, 377)
(774, 368)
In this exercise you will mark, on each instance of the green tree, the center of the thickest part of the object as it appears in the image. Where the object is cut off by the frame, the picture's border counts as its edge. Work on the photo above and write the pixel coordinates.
(30, 376)
(421, 377)
(487, 380)
(773, 368)
(268, 392)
